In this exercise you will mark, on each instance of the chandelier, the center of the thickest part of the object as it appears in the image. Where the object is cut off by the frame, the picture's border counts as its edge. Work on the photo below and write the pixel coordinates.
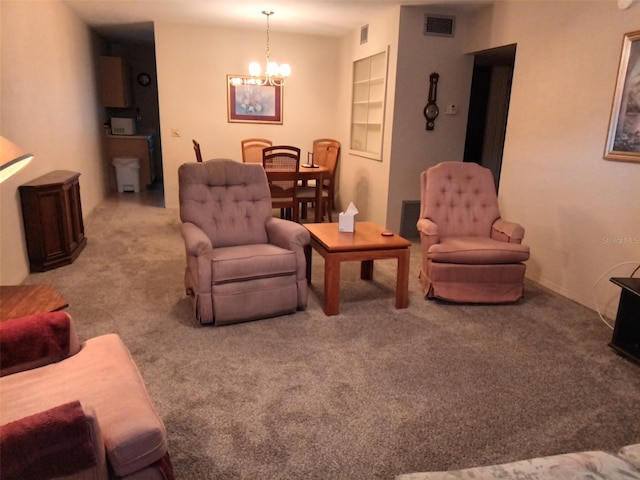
(274, 74)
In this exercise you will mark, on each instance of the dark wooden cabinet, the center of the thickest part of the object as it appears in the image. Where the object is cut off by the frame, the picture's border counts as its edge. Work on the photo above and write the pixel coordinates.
(626, 333)
(52, 216)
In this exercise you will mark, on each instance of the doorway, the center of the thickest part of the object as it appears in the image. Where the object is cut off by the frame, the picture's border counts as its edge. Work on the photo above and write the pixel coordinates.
(489, 108)
(135, 45)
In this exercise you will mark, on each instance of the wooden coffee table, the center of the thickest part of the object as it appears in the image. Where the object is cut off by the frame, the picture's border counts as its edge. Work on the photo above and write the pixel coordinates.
(21, 300)
(365, 245)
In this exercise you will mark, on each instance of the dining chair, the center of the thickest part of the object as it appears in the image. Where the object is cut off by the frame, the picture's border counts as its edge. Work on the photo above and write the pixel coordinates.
(252, 149)
(326, 152)
(282, 163)
(196, 148)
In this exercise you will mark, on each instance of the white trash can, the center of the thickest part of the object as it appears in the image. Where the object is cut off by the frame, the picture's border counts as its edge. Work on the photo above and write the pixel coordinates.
(127, 173)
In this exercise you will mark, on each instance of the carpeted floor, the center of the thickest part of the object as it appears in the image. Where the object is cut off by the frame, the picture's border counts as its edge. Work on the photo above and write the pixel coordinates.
(368, 394)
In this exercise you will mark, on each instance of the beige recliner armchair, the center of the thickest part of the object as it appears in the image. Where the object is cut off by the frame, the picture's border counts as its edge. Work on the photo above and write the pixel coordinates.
(242, 263)
(469, 253)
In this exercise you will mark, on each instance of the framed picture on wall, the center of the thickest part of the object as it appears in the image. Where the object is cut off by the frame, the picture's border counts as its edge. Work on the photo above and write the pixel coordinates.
(623, 140)
(248, 102)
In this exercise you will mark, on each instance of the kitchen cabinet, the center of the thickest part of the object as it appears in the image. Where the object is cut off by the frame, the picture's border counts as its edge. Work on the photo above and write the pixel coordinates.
(367, 105)
(114, 82)
(139, 146)
(52, 216)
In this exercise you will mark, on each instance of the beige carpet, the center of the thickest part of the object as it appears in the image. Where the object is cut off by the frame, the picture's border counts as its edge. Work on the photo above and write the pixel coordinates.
(370, 393)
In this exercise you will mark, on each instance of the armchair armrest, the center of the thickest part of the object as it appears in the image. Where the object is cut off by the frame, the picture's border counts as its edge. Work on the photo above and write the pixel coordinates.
(428, 232)
(287, 234)
(196, 241)
(62, 441)
(506, 231)
(36, 340)
(198, 248)
(292, 236)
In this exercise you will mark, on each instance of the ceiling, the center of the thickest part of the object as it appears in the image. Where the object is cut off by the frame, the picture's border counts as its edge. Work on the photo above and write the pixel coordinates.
(132, 20)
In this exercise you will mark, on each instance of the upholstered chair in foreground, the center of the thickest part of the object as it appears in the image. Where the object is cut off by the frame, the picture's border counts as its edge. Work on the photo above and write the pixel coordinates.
(242, 263)
(469, 253)
(72, 409)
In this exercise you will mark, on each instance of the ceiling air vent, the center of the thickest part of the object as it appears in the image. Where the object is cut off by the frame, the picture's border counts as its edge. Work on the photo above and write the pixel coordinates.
(440, 25)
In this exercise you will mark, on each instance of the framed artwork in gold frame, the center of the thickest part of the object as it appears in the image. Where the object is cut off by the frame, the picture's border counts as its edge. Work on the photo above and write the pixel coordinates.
(249, 102)
(623, 139)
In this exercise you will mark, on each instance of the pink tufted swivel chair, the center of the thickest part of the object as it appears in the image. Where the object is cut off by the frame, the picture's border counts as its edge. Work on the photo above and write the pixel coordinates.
(242, 263)
(469, 253)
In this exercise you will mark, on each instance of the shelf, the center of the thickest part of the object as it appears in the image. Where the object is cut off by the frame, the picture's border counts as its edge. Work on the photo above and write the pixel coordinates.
(369, 81)
(372, 124)
(369, 78)
(370, 103)
(370, 155)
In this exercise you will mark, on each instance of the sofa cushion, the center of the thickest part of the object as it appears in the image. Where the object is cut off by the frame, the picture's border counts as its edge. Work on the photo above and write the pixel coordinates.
(104, 376)
(477, 251)
(52, 443)
(248, 262)
(583, 465)
(36, 340)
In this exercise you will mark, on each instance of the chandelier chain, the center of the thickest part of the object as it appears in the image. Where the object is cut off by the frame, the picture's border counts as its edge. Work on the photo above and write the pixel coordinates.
(268, 49)
(274, 74)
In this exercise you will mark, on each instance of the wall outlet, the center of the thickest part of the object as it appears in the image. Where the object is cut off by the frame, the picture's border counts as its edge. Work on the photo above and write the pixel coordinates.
(175, 132)
(451, 109)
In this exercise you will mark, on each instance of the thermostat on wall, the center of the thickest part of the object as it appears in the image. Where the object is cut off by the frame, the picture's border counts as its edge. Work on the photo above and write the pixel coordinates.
(451, 109)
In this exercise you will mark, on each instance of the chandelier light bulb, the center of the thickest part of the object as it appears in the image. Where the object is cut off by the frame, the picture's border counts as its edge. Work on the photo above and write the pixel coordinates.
(274, 74)
(255, 69)
(272, 69)
(285, 70)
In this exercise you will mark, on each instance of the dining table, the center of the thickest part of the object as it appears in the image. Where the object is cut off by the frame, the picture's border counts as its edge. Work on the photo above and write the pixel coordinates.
(317, 173)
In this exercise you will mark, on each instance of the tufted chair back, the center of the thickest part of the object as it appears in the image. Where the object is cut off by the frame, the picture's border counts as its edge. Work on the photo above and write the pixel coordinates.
(460, 198)
(228, 200)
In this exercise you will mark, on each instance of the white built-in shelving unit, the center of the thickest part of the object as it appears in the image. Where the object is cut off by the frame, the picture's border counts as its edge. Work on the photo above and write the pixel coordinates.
(367, 108)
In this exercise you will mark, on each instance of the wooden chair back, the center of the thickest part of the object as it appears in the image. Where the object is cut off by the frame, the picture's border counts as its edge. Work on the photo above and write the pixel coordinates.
(327, 153)
(252, 149)
(196, 148)
(282, 163)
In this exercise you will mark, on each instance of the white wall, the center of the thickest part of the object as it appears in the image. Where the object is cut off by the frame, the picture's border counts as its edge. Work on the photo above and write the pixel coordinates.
(554, 180)
(48, 107)
(363, 181)
(193, 62)
(414, 148)
(379, 188)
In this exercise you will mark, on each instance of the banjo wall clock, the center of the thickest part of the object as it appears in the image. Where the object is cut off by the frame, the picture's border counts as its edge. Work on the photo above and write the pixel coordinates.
(431, 111)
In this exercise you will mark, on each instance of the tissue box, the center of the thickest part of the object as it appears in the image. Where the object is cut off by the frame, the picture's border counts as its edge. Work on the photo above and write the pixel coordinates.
(346, 222)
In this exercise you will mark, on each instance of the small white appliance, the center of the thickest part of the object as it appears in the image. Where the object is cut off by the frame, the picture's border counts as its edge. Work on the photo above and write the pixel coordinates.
(123, 126)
